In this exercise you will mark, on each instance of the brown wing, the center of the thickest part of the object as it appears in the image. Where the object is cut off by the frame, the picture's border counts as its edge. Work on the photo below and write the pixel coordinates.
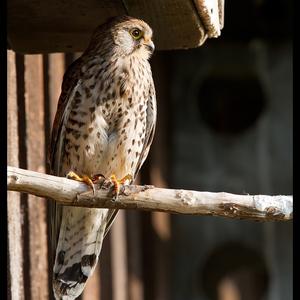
(69, 82)
(150, 128)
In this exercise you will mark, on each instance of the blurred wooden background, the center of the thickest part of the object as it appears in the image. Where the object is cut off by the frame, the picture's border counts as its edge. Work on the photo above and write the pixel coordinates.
(245, 147)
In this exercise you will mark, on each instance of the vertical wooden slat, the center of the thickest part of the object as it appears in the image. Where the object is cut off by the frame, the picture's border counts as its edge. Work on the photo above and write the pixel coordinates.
(161, 226)
(148, 254)
(56, 69)
(35, 143)
(14, 214)
(105, 269)
(134, 257)
(23, 164)
(92, 288)
(119, 255)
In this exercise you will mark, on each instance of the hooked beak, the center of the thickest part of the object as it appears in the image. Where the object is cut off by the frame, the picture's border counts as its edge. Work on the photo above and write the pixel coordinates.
(150, 46)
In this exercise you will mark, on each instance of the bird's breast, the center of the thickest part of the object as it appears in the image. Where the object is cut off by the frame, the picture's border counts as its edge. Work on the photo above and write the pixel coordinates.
(106, 125)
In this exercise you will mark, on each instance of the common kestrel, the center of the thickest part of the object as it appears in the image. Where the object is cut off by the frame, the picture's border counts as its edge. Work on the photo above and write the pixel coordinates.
(104, 124)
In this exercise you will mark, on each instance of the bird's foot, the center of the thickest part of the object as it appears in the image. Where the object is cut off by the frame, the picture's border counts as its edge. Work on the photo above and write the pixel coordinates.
(107, 183)
(84, 178)
(116, 184)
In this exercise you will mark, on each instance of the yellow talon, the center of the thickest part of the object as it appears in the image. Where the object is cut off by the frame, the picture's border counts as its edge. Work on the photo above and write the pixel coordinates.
(91, 180)
(83, 178)
(127, 177)
(117, 183)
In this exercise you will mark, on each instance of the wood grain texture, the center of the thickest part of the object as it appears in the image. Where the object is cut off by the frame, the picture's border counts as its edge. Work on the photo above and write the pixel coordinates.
(134, 255)
(56, 70)
(221, 9)
(74, 193)
(35, 146)
(118, 258)
(105, 269)
(210, 16)
(14, 213)
(175, 23)
(57, 26)
(92, 288)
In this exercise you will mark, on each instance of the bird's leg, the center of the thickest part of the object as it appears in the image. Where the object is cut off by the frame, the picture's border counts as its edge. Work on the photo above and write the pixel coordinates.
(117, 183)
(84, 178)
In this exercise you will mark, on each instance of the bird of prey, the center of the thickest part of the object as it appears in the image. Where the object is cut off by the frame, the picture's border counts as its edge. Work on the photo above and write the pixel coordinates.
(104, 124)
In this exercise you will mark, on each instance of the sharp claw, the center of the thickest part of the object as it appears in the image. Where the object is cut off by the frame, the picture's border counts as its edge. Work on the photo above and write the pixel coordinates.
(91, 181)
(74, 176)
(92, 186)
(117, 184)
(86, 179)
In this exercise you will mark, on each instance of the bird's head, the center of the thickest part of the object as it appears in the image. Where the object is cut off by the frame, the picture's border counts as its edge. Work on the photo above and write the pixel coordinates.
(129, 36)
(134, 36)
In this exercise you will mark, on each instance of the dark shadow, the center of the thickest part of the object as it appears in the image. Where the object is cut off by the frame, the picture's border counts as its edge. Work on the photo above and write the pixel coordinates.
(234, 268)
(231, 105)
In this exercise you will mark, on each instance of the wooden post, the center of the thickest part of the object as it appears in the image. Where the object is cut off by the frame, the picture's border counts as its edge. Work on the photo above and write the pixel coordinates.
(14, 212)
(134, 256)
(105, 269)
(35, 146)
(92, 288)
(119, 258)
(56, 69)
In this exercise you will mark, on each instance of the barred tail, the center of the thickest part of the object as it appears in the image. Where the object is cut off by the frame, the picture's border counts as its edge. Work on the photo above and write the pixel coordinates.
(78, 248)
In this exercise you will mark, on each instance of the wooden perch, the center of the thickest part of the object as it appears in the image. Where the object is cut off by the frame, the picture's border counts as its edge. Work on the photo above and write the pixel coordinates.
(70, 192)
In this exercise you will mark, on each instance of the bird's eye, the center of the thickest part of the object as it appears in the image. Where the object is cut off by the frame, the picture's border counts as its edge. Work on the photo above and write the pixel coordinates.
(136, 33)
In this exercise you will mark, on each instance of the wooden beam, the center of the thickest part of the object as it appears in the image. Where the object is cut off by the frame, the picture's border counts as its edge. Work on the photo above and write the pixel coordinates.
(57, 26)
(176, 23)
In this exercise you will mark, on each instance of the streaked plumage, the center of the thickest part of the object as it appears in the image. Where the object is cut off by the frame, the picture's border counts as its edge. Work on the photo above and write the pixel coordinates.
(104, 124)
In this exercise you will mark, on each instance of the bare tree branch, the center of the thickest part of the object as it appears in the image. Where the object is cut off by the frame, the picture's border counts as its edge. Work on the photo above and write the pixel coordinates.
(70, 192)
